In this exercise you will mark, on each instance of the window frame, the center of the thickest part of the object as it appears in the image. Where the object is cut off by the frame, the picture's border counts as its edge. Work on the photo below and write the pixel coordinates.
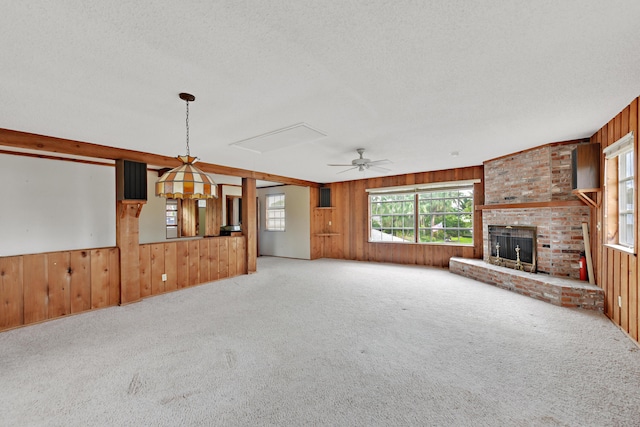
(272, 210)
(617, 177)
(175, 228)
(413, 195)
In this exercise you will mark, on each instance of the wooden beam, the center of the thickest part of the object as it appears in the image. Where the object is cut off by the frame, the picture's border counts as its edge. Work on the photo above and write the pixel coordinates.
(127, 236)
(525, 205)
(250, 222)
(32, 141)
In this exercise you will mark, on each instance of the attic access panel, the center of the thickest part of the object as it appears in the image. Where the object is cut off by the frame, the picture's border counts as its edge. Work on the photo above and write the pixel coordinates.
(300, 133)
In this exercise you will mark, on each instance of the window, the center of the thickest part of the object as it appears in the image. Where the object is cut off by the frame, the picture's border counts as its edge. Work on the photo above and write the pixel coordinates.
(171, 218)
(446, 216)
(392, 217)
(440, 215)
(620, 178)
(275, 215)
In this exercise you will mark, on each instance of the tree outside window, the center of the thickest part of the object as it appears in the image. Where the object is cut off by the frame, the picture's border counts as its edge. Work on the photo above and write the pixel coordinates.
(439, 216)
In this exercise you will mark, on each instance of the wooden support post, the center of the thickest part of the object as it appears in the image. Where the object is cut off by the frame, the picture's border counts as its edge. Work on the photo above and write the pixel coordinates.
(250, 222)
(127, 240)
(214, 214)
(587, 251)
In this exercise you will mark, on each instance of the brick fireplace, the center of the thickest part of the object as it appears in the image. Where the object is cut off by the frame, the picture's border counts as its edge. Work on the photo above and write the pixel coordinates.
(532, 190)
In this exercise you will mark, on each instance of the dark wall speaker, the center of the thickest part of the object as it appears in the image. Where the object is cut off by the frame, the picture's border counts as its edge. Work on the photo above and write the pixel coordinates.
(325, 197)
(131, 180)
(585, 167)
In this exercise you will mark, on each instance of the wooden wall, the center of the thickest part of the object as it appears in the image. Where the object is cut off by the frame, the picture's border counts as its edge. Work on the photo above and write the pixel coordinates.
(617, 271)
(38, 287)
(347, 236)
(191, 262)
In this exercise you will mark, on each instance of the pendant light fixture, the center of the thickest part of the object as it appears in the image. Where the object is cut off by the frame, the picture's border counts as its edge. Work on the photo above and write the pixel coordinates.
(186, 181)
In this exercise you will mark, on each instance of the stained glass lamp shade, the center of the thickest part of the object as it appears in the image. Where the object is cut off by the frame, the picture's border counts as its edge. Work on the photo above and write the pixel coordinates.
(186, 182)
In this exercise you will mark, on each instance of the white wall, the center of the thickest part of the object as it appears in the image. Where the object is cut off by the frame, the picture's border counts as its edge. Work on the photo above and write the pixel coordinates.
(295, 242)
(152, 226)
(52, 205)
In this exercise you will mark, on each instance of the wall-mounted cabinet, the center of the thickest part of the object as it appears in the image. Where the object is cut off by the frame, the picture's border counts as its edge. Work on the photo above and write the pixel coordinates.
(585, 172)
(585, 167)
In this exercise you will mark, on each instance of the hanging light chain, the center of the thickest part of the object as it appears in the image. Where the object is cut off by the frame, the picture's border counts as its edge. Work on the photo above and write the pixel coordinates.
(188, 154)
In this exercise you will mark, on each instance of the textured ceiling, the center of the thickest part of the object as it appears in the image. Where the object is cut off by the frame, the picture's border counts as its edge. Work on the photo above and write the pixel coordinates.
(410, 81)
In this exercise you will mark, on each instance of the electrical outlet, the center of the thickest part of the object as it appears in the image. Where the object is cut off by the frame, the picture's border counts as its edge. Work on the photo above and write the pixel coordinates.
(329, 222)
(164, 277)
(620, 301)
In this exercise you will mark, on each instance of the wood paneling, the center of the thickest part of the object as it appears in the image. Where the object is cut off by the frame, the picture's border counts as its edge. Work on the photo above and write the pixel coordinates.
(194, 262)
(36, 292)
(81, 280)
(349, 219)
(223, 258)
(189, 263)
(205, 266)
(157, 268)
(182, 249)
(145, 270)
(99, 278)
(233, 258)
(114, 276)
(37, 287)
(171, 267)
(213, 259)
(188, 223)
(616, 270)
(59, 278)
(11, 292)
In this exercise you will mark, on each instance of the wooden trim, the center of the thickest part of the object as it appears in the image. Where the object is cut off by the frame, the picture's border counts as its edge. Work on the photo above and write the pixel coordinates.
(587, 199)
(31, 141)
(49, 157)
(526, 205)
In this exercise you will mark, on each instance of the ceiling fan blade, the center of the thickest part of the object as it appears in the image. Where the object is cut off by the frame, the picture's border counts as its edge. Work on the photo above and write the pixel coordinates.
(378, 168)
(380, 162)
(346, 170)
(336, 164)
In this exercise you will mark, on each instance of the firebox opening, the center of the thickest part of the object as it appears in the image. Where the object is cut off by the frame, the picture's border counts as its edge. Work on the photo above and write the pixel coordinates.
(513, 246)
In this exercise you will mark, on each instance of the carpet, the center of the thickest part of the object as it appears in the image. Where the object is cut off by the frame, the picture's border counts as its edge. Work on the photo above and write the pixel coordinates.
(324, 342)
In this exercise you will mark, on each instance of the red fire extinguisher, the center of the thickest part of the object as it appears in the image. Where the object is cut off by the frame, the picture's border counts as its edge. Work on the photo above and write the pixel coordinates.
(583, 267)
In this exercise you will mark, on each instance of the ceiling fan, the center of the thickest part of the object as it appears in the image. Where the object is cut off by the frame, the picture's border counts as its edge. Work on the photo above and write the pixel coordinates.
(363, 164)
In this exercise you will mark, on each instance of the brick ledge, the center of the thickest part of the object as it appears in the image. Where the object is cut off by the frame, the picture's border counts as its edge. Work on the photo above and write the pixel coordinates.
(554, 290)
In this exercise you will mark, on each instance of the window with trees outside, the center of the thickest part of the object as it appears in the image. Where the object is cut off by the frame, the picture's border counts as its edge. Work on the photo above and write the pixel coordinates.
(620, 169)
(275, 212)
(439, 215)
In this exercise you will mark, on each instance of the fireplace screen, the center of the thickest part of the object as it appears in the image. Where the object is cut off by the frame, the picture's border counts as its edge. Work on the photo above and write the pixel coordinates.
(513, 246)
